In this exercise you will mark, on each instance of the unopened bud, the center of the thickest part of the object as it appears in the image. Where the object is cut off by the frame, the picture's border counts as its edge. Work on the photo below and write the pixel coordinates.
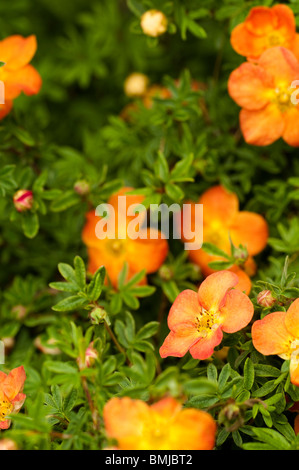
(266, 299)
(48, 347)
(91, 355)
(165, 273)
(99, 315)
(153, 23)
(136, 85)
(23, 200)
(19, 311)
(82, 187)
(231, 416)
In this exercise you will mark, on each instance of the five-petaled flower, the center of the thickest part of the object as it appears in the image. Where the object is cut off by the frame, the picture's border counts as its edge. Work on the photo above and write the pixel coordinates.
(146, 252)
(265, 91)
(264, 28)
(17, 74)
(197, 320)
(223, 222)
(11, 396)
(278, 334)
(162, 426)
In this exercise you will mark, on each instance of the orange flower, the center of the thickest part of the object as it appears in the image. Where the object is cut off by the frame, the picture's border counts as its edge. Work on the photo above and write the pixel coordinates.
(222, 220)
(162, 426)
(265, 28)
(197, 320)
(278, 333)
(264, 91)
(17, 75)
(11, 398)
(147, 252)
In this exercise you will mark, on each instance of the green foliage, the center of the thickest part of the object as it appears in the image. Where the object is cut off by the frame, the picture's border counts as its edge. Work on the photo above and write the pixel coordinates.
(74, 131)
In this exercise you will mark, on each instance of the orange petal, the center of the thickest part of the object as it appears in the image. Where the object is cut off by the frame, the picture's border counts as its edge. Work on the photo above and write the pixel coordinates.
(270, 336)
(17, 51)
(295, 46)
(286, 24)
(184, 310)
(14, 382)
(167, 406)
(125, 417)
(2, 377)
(147, 253)
(247, 43)
(219, 204)
(213, 290)
(237, 311)
(204, 348)
(192, 430)
(249, 86)
(178, 343)
(101, 257)
(262, 127)
(5, 109)
(281, 64)
(251, 230)
(244, 284)
(26, 79)
(261, 21)
(291, 131)
(294, 369)
(5, 424)
(292, 319)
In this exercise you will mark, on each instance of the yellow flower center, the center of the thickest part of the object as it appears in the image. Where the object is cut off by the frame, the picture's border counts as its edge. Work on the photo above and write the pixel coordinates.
(156, 432)
(283, 97)
(207, 322)
(116, 247)
(216, 234)
(275, 40)
(5, 409)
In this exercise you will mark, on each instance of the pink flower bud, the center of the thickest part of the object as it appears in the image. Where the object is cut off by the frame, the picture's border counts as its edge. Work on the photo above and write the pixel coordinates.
(23, 200)
(91, 355)
(82, 187)
(266, 299)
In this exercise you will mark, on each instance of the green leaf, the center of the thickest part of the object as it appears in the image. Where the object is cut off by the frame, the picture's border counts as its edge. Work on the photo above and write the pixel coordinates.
(214, 250)
(30, 224)
(70, 303)
(174, 192)
(248, 374)
(96, 285)
(65, 201)
(80, 272)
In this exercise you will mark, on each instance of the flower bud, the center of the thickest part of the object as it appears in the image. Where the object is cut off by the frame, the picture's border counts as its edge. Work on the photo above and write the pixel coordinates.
(99, 315)
(153, 23)
(19, 311)
(82, 187)
(48, 347)
(266, 299)
(91, 355)
(231, 416)
(165, 273)
(23, 200)
(136, 85)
